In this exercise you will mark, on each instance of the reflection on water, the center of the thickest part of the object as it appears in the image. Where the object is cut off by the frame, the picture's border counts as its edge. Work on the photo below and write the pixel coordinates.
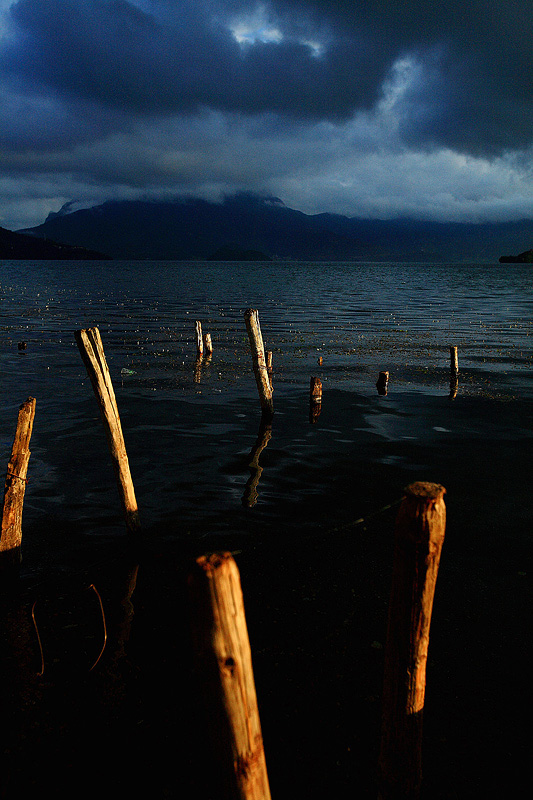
(251, 493)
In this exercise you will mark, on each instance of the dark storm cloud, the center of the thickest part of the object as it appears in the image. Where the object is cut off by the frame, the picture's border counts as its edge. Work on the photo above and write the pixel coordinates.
(474, 89)
(118, 55)
(369, 107)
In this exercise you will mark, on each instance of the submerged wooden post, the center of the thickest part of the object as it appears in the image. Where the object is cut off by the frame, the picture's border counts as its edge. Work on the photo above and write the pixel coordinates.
(251, 318)
(382, 383)
(15, 488)
(224, 659)
(419, 535)
(92, 353)
(315, 399)
(199, 339)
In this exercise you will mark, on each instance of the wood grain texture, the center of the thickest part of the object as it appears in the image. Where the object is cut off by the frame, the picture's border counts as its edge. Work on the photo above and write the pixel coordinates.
(418, 540)
(251, 318)
(92, 352)
(15, 487)
(224, 659)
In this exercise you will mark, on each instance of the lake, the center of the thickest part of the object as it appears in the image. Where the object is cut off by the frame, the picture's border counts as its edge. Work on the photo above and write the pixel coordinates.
(322, 508)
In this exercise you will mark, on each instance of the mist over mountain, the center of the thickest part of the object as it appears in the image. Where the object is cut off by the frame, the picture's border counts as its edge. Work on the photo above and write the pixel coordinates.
(193, 229)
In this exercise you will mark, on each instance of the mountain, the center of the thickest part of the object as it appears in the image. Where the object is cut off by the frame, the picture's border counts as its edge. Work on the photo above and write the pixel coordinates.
(19, 246)
(522, 258)
(188, 229)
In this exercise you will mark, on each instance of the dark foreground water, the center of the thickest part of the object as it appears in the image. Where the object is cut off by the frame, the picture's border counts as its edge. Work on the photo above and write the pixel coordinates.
(315, 577)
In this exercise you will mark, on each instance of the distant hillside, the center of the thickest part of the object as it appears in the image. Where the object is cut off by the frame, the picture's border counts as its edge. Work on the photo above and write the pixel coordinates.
(18, 246)
(523, 258)
(196, 229)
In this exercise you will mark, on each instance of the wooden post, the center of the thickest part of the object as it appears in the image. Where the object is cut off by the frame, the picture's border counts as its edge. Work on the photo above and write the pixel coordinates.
(320, 361)
(208, 344)
(454, 372)
(269, 369)
(419, 535)
(199, 340)
(251, 317)
(15, 488)
(224, 659)
(454, 362)
(315, 399)
(382, 383)
(92, 353)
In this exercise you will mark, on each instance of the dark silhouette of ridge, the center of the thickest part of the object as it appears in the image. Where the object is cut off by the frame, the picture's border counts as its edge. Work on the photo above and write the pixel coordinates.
(189, 229)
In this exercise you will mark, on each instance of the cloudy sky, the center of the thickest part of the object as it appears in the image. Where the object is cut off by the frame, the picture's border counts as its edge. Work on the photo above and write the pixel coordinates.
(377, 108)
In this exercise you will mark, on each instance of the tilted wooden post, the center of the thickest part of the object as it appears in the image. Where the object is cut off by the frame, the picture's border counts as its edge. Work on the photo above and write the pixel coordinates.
(92, 353)
(224, 659)
(269, 369)
(251, 317)
(15, 488)
(419, 535)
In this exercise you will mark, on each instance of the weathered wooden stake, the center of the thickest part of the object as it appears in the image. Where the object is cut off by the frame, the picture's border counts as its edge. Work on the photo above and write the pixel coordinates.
(251, 318)
(208, 344)
(15, 487)
(454, 372)
(199, 339)
(382, 383)
(92, 353)
(315, 399)
(224, 660)
(419, 535)
(269, 369)
(454, 362)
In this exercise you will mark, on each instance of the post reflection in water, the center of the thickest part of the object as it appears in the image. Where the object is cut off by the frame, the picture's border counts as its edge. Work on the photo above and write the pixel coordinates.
(454, 384)
(264, 434)
(200, 362)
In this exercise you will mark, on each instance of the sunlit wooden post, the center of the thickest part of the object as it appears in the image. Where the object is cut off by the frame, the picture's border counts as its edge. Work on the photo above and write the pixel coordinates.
(199, 339)
(454, 372)
(419, 536)
(92, 353)
(251, 318)
(208, 344)
(224, 660)
(454, 362)
(269, 369)
(15, 488)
